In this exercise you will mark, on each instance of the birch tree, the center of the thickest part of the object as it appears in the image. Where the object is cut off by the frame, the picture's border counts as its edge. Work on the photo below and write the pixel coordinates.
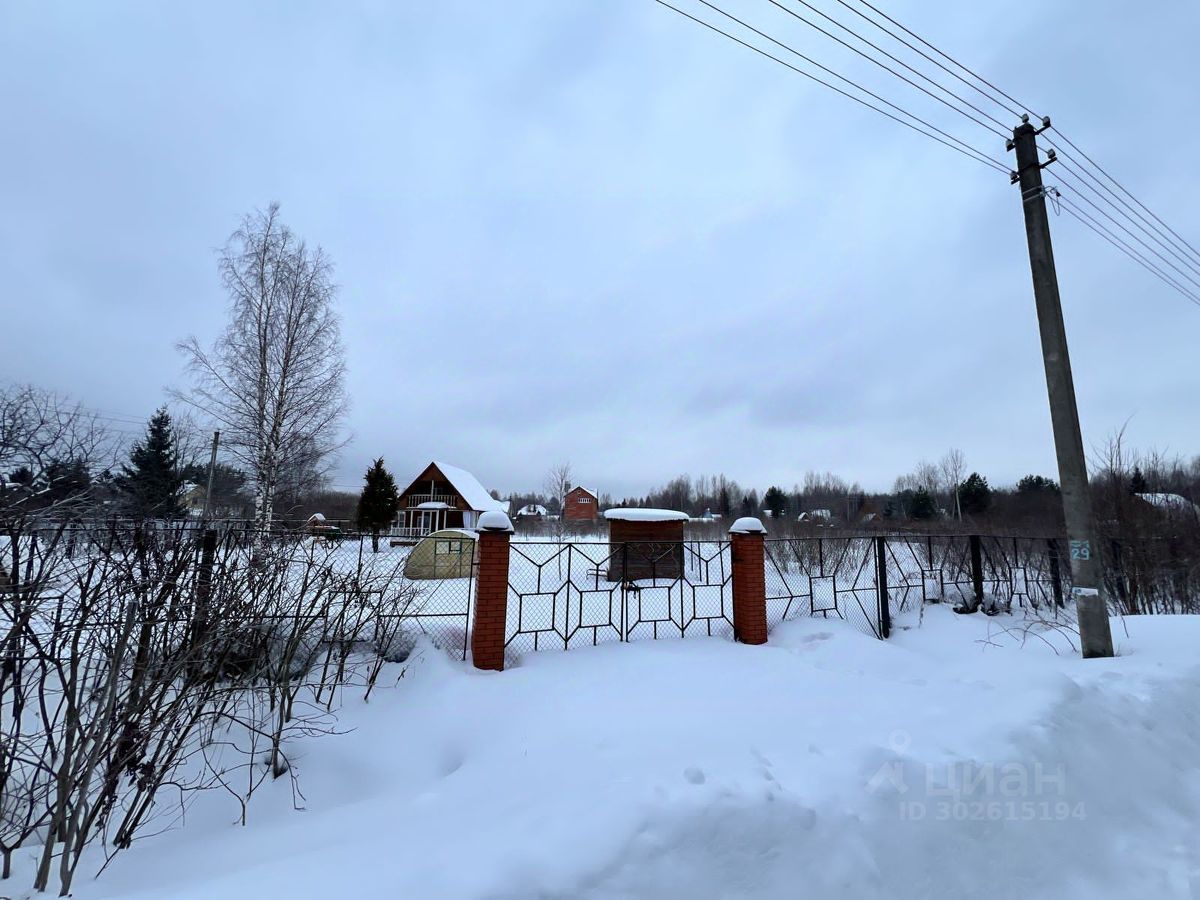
(274, 379)
(954, 468)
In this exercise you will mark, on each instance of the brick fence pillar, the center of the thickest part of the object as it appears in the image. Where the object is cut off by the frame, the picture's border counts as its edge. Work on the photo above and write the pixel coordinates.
(491, 592)
(748, 555)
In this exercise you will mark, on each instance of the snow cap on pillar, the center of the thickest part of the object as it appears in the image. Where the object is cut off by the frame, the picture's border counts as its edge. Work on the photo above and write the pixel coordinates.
(494, 520)
(747, 525)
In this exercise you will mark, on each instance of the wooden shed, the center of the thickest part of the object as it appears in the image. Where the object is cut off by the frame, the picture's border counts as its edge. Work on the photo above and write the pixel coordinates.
(645, 543)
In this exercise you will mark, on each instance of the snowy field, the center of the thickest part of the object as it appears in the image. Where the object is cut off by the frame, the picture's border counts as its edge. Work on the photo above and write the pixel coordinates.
(966, 757)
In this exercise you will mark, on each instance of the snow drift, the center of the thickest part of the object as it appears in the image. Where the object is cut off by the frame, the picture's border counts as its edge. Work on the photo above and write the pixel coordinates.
(961, 759)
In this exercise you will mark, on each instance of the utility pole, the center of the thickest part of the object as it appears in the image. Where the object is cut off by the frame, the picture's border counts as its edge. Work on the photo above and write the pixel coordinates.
(1095, 635)
(212, 466)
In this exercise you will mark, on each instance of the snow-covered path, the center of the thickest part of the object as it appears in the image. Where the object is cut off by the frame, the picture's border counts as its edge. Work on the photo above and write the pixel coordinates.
(821, 765)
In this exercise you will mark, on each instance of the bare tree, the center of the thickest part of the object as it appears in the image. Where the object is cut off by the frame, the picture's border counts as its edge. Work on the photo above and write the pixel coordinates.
(51, 449)
(954, 468)
(274, 379)
(557, 483)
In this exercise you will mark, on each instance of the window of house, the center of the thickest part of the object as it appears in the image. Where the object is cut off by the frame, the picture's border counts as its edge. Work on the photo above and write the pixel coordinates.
(583, 499)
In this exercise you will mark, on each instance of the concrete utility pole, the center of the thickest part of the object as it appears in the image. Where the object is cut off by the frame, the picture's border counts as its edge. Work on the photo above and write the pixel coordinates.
(212, 465)
(1095, 636)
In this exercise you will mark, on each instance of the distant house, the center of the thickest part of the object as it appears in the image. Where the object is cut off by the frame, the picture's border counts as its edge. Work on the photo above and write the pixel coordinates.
(532, 511)
(581, 505)
(191, 497)
(816, 515)
(443, 496)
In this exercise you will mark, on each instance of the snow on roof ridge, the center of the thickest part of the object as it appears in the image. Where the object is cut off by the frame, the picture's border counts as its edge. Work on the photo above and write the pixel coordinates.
(580, 487)
(470, 489)
(640, 514)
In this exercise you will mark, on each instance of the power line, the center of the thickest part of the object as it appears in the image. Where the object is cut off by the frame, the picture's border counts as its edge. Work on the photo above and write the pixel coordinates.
(1175, 247)
(843, 78)
(949, 58)
(1103, 232)
(1189, 276)
(1127, 193)
(972, 153)
(1016, 112)
(1170, 240)
(1165, 240)
(895, 59)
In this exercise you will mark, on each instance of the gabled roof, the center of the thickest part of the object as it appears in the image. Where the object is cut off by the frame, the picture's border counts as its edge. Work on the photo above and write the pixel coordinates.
(580, 487)
(470, 489)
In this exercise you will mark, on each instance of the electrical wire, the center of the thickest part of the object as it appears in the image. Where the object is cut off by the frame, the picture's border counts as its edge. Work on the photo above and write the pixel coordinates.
(941, 65)
(971, 152)
(1190, 276)
(844, 79)
(1103, 232)
(1175, 248)
(1002, 132)
(949, 58)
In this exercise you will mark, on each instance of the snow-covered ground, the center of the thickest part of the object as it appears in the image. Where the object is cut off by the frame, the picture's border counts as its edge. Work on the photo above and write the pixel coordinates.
(959, 759)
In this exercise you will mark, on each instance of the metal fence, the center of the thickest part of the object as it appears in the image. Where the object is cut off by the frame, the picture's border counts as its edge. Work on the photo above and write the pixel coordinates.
(567, 594)
(868, 580)
(564, 595)
(343, 569)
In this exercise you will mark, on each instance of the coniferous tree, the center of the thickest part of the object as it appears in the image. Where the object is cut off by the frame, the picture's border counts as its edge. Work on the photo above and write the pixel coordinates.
(1037, 484)
(64, 479)
(724, 500)
(1138, 483)
(379, 502)
(152, 482)
(922, 505)
(975, 495)
(776, 502)
(229, 494)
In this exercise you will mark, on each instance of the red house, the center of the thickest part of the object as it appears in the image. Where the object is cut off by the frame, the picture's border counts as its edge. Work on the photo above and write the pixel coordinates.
(581, 505)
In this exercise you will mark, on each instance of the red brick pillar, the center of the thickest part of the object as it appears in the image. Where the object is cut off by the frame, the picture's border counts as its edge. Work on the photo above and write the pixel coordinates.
(748, 555)
(491, 592)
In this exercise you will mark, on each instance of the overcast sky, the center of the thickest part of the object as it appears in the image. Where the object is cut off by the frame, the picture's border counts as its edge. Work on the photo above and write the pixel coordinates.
(589, 230)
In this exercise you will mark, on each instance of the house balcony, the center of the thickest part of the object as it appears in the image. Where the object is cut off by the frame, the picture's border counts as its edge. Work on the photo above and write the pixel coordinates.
(401, 531)
(415, 500)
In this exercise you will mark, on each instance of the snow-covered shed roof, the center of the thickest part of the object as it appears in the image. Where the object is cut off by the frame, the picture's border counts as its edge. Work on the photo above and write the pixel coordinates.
(532, 509)
(1172, 502)
(470, 489)
(646, 515)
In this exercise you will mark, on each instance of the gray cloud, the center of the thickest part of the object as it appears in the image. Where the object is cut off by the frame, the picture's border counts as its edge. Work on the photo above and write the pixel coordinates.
(594, 232)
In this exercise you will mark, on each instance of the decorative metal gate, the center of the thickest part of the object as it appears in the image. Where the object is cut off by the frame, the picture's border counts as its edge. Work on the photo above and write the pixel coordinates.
(570, 594)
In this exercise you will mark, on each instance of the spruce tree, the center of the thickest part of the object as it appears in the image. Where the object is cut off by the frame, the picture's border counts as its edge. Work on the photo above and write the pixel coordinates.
(378, 503)
(1138, 483)
(776, 502)
(974, 494)
(152, 482)
(923, 505)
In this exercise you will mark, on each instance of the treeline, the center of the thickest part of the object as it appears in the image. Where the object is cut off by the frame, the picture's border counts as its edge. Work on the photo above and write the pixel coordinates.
(946, 494)
(56, 455)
